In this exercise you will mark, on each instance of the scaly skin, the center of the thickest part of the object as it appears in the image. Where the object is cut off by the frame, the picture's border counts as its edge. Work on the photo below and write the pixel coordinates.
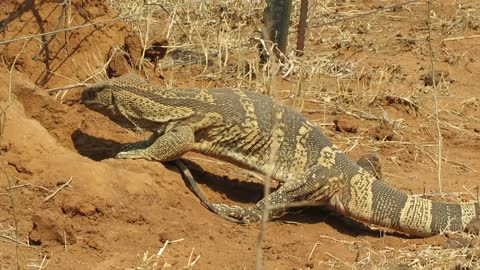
(251, 131)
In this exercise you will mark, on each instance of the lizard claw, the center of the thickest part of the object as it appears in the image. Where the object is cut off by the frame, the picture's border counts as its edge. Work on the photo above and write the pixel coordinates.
(122, 155)
(133, 154)
(241, 214)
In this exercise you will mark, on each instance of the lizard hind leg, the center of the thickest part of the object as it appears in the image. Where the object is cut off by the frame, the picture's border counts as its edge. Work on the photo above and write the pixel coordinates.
(315, 185)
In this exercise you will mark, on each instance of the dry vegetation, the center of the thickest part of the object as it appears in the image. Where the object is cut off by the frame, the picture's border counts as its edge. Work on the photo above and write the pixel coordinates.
(404, 74)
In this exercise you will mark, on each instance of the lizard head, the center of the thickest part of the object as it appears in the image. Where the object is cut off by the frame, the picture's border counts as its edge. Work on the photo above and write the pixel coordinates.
(103, 97)
(98, 97)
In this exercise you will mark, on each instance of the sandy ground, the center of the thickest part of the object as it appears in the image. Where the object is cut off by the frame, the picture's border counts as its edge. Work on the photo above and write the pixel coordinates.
(118, 214)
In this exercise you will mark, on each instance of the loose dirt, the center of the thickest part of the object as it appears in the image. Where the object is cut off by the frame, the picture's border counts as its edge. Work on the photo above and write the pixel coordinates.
(118, 214)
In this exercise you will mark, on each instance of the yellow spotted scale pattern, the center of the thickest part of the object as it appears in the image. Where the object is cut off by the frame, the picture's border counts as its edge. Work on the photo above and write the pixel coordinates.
(245, 128)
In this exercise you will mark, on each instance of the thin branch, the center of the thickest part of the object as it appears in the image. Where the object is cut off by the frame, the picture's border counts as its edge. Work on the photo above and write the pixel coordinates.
(460, 38)
(68, 29)
(439, 131)
(268, 179)
(364, 14)
(67, 87)
(146, 36)
(58, 189)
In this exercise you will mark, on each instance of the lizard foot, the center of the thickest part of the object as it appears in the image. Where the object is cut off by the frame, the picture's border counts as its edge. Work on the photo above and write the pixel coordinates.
(242, 214)
(136, 150)
(132, 154)
(136, 145)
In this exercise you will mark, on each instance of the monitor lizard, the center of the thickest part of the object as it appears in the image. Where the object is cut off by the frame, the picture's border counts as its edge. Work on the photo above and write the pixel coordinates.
(252, 131)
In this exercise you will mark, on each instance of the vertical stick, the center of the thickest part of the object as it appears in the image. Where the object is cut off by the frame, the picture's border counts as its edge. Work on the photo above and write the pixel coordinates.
(439, 131)
(282, 10)
(302, 27)
(276, 18)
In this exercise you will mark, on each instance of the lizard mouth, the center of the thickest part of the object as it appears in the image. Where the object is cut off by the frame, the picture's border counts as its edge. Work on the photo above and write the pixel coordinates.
(91, 100)
(94, 105)
(99, 107)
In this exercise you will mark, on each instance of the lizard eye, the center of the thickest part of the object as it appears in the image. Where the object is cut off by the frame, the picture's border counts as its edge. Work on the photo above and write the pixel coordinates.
(88, 94)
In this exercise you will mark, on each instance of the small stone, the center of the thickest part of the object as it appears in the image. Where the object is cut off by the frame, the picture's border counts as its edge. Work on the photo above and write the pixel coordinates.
(346, 123)
(382, 132)
(473, 254)
(438, 77)
(50, 227)
(157, 50)
(456, 242)
(118, 65)
(133, 46)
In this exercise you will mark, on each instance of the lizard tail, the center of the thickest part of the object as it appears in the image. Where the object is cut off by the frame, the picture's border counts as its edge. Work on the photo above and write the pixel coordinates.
(370, 200)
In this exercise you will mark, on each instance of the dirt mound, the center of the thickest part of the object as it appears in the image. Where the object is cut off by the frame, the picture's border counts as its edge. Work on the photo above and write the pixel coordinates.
(107, 202)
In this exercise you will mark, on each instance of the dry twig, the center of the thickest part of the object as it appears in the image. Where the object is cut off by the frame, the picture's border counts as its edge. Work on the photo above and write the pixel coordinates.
(58, 189)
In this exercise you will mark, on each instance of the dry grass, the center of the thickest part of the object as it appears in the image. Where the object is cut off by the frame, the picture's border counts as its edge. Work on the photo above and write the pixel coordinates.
(157, 261)
(413, 257)
(216, 44)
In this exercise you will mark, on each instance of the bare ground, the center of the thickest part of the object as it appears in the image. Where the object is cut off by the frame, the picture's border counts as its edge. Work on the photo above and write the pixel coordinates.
(369, 76)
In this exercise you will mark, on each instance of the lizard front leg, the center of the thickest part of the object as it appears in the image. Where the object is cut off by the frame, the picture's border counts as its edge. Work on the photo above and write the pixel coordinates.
(171, 145)
(140, 144)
